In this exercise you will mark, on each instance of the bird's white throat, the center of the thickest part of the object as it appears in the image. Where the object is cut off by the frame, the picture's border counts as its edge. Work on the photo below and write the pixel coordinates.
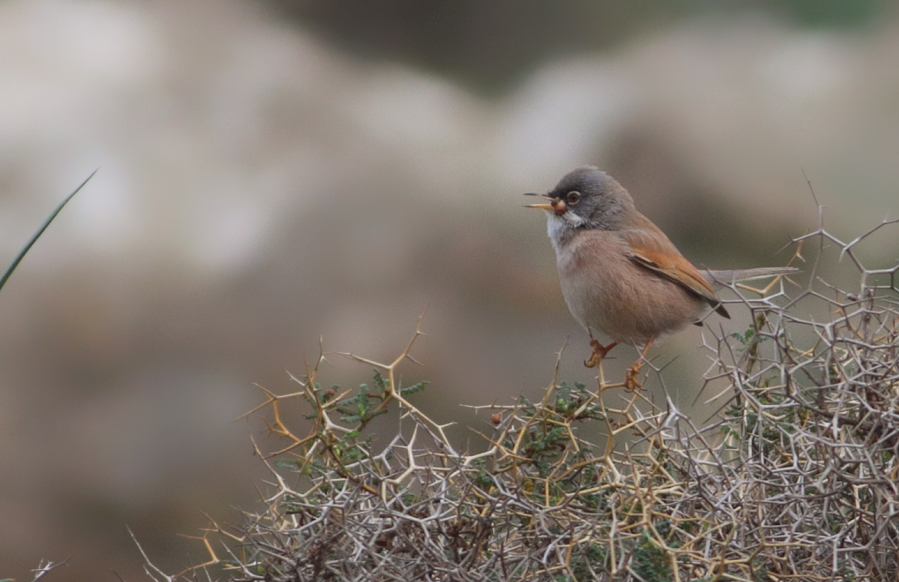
(556, 225)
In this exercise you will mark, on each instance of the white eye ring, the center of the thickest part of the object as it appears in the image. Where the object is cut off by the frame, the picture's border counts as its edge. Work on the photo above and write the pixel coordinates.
(573, 197)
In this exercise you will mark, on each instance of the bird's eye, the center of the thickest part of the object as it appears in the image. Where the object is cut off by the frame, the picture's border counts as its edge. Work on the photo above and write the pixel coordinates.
(573, 197)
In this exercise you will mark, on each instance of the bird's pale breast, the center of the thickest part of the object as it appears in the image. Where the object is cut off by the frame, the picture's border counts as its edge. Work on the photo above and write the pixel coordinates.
(607, 292)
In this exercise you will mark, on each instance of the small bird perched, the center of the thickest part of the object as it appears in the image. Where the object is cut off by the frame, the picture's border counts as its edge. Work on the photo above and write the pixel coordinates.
(620, 274)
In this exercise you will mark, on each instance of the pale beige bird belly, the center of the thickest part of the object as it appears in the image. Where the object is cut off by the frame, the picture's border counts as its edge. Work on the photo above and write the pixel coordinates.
(617, 297)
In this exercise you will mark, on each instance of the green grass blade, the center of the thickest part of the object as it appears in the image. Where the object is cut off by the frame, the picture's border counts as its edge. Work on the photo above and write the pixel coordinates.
(15, 263)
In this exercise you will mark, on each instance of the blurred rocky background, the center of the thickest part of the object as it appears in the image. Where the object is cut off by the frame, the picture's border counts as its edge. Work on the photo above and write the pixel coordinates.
(273, 173)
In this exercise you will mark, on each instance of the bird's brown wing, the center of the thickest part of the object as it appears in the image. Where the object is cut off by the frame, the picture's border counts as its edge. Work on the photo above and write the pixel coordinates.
(652, 250)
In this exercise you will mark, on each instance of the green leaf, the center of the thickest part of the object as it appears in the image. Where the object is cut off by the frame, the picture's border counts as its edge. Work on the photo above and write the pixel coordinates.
(15, 263)
(413, 389)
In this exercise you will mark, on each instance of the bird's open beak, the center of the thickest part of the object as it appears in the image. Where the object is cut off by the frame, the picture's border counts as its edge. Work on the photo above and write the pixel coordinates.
(540, 206)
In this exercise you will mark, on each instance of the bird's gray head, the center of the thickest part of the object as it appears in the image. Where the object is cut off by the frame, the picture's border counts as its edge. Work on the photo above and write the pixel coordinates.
(586, 198)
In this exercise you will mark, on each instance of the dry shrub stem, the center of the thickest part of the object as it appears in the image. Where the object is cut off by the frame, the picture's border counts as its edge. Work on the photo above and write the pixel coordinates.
(794, 477)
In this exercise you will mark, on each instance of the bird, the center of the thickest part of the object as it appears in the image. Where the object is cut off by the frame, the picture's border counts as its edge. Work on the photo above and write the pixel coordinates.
(619, 273)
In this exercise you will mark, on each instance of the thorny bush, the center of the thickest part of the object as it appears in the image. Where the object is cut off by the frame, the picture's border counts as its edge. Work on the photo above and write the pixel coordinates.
(794, 478)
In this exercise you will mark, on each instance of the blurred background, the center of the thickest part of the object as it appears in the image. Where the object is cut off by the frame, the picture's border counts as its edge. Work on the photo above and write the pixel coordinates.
(276, 172)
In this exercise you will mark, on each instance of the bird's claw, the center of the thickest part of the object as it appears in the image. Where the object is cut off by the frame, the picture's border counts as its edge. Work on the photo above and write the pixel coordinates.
(631, 378)
(599, 353)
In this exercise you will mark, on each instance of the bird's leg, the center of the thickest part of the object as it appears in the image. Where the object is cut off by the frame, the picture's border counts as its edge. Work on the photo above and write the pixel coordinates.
(599, 352)
(630, 378)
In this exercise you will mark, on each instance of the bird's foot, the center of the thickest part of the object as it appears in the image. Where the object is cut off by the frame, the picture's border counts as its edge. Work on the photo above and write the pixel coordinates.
(599, 353)
(631, 377)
